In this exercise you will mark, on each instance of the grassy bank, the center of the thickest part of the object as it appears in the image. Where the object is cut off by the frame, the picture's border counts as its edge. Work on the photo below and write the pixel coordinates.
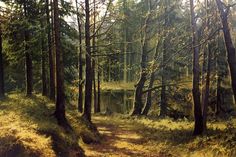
(28, 128)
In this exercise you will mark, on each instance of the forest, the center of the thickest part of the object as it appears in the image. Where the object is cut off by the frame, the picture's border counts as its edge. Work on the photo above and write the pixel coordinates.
(122, 78)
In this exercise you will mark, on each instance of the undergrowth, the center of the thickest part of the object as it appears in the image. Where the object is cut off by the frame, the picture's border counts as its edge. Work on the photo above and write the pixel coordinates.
(28, 128)
(170, 137)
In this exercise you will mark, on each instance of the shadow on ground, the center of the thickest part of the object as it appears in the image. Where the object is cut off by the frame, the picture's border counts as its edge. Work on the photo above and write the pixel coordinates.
(126, 137)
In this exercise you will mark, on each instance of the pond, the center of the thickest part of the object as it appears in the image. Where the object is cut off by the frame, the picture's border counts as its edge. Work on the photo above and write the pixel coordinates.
(119, 101)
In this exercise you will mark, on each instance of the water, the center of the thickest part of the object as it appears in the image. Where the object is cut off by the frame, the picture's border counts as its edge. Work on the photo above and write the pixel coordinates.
(119, 101)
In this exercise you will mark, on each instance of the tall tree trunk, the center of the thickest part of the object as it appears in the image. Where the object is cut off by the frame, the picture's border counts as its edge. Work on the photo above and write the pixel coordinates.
(207, 83)
(149, 95)
(43, 61)
(125, 42)
(198, 125)
(207, 90)
(2, 91)
(80, 97)
(218, 96)
(99, 92)
(163, 106)
(50, 55)
(88, 79)
(99, 71)
(138, 104)
(218, 76)
(28, 66)
(94, 60)
(94, 83)
(28, 59)
(231, 53)
(60, 95)
(53, 45)
(152, 79)
(204, 67)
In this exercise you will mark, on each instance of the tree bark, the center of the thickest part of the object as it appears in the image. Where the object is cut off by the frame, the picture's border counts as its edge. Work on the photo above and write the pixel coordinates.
(60, 95)
(93, 60)
(80, 96)
(138, 104)
(50, 55)
(207, 83)
(94, 88)
(28, 66)
(218, 78)
(99, 92)
(43, 68)
(98, 85)
(88, 79)
(149, 95)
(125, 78)
(231, 53)
(2, 91)
(28, 59)
(218, 96)
(163, 106)
(207, 90)
(152, 79)
(198, 125)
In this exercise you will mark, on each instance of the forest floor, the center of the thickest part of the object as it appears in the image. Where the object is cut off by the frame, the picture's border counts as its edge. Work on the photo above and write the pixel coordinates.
(119, 139)
(28, 128)
(126, 136)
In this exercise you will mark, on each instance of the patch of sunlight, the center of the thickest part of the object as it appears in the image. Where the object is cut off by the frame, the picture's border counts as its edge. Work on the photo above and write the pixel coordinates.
(102, 128)
(27, 123)
(91, 151)
(129, 146)
(117, 86)
(207, 154)
(129, 136)
(162, 136)
(105, 132)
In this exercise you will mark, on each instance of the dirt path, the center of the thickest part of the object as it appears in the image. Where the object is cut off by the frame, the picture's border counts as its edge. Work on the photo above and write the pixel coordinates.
(119, 140)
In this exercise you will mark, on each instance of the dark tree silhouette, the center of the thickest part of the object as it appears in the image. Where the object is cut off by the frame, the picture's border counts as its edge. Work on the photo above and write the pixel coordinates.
(88, 79)
(198, 126)
(224, 11)
(50, 54)
(28, 57)
(2, 92)
(60, 94)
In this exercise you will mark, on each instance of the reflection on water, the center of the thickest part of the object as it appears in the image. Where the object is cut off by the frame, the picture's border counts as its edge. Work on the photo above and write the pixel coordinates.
(119, 101)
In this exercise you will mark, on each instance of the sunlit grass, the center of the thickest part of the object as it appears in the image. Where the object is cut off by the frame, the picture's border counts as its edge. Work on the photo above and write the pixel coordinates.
(117, 86)
(140, 136)
(28, 128)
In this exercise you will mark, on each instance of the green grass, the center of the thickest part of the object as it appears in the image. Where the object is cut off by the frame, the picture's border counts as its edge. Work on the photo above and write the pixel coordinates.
(117, 86)
(28, 128)
(167, 137)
